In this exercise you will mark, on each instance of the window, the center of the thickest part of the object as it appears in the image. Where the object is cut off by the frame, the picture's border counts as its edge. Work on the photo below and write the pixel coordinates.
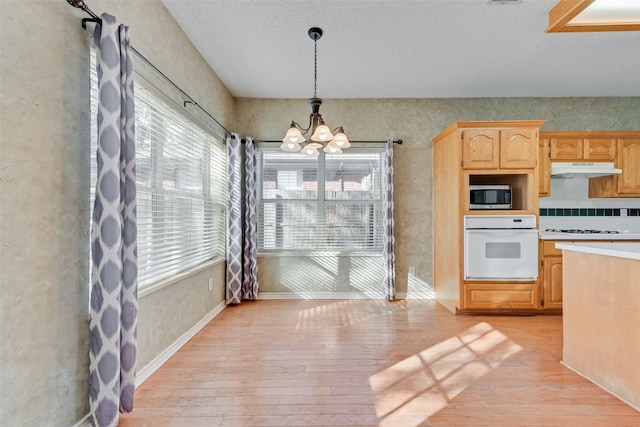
(328, 203)
(180, 183)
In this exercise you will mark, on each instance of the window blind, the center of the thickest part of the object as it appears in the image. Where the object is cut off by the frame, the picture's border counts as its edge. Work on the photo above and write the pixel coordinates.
(328, 203)
(180, 183)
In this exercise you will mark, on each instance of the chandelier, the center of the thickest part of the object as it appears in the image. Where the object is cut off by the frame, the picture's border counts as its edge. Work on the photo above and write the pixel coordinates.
(321, 135)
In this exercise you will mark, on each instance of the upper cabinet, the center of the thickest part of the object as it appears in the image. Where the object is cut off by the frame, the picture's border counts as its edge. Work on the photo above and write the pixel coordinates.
(620, 147)
(480, 149)
(518, 148)
(544, 167)
(515, 148)
(629, 162)
(599, 149)
(580, 146)
(626, 184)
(566, 148)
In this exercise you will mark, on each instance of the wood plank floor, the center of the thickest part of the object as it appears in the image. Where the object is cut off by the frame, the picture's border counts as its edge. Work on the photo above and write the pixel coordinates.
(372, 363)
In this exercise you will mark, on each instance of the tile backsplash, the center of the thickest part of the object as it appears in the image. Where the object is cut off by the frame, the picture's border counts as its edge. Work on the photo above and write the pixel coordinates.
(587, 212)
(570, 206)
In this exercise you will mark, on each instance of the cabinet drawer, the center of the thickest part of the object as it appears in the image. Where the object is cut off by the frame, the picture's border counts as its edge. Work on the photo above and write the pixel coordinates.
(500, 296)
(549, 248)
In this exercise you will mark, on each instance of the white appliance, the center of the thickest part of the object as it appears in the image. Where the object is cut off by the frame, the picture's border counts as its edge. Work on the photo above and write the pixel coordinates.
(500, 247)
(489, 197)
(583, 169)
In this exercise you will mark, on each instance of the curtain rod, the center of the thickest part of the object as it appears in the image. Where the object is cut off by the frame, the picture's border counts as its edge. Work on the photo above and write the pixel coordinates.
(398, 141)
(80, 4)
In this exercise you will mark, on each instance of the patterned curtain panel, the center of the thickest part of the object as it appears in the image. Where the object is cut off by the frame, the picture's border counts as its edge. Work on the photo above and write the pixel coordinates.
(114, 305)
(250, 256)
(234, 219)
(388, 249)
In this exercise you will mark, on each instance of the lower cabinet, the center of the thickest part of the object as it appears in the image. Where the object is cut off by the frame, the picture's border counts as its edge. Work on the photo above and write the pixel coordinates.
(551, 273)
(552, 283)
(500, 296)
(551, 278)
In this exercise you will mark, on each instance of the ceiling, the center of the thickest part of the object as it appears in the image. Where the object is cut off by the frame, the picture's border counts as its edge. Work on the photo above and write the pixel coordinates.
(406, 49)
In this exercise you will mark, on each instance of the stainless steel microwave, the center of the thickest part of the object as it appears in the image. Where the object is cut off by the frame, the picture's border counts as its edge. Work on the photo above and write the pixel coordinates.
(489, 197)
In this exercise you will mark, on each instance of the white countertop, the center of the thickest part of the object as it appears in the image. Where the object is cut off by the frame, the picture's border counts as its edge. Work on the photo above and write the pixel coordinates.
(616, 249)
(623, 235)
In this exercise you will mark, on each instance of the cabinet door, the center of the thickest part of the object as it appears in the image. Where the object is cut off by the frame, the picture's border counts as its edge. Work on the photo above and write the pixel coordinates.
(567, 148)
(501, 296)
(552, 288)
(629, 162)
(600, 149)
(518, 148)
(544, 168)
(480, 149)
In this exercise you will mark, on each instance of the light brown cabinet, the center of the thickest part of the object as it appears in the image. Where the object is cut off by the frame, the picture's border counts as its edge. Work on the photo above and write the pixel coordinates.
(499, 149)
(480, 149)
(575, 146)
(620, 147)
(626, 184)
(551, 276)
(500, 296)
(566, 148)
(481, 153)
(599, 149)
(544, 167)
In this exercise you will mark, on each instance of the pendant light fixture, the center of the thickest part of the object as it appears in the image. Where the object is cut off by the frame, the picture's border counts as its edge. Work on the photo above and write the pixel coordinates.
(321, 135)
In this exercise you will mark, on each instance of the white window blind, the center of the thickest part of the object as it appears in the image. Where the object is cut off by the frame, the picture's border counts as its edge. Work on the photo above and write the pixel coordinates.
(328, 203)
(180, 183)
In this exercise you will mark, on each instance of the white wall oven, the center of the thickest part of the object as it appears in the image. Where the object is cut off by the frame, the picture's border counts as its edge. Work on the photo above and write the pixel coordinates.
(500, 247)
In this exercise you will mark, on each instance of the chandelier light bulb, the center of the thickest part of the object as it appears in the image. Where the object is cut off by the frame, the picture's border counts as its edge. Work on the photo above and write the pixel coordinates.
(332, 149)
(340, 140)
(311, 152)
(290, 147)
(322, 133)
(293, 136)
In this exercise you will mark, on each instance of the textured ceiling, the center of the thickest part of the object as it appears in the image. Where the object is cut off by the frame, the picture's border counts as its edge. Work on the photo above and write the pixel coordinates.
(406, 49)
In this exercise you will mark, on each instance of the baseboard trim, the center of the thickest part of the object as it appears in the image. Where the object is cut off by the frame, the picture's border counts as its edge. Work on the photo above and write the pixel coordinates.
(317, 295)
(83, 422)
(636, 407)
(339, 295)
(143, 374)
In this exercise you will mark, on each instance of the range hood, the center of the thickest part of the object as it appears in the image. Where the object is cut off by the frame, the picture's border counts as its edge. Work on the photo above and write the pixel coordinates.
(582, 169)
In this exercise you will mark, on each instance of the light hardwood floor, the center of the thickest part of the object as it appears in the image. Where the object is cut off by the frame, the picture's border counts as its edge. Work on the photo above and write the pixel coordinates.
(372, 363)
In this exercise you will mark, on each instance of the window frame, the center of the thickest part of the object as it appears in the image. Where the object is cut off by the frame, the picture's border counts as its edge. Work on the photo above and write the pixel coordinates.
(211, 184)
(321, 202)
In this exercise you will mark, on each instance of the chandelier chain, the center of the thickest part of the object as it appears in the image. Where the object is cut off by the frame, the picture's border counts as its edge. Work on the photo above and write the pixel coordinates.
(315, 68)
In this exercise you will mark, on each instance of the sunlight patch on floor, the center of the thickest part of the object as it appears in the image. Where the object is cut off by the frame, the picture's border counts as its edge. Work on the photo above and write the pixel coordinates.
(342, 313)
(414, 389)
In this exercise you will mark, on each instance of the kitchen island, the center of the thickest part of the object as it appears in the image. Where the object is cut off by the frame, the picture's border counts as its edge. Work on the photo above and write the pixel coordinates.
(601, 315)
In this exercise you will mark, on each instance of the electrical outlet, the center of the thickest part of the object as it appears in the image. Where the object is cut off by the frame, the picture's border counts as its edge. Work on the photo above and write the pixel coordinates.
(210, 285)
(412, 271)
